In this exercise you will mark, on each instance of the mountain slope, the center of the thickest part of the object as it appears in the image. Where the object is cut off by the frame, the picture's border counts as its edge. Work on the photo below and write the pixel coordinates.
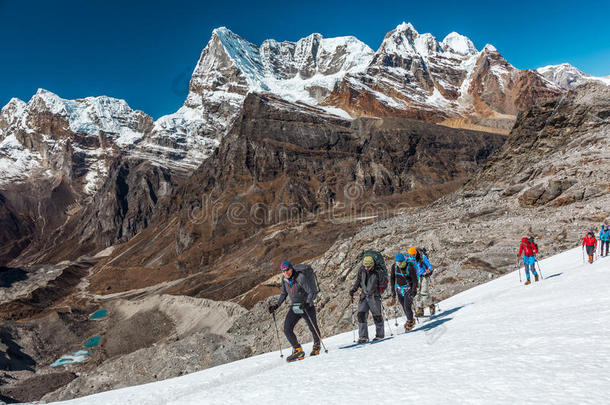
(479, 348)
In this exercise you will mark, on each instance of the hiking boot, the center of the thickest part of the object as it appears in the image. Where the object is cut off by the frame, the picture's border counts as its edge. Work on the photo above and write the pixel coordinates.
(363, 340)
(528, 282)
(419, 312)
(432, 309)
(297, 354)
(315, 350)
(376, 338)
(409, 325)
(535, 277)
(590, 258)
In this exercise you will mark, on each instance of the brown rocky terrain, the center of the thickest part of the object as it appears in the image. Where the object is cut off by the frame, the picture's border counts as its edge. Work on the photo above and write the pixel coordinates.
(283, 166)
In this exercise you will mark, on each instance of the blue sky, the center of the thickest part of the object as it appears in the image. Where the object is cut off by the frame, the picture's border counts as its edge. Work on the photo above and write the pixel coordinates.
(144, 51)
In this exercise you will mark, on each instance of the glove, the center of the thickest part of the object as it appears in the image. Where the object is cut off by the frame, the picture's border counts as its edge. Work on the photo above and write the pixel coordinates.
(272, 308)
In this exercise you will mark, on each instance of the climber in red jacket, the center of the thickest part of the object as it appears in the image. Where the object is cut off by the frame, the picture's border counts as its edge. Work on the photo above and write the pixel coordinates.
(529, 251)
(590, 243)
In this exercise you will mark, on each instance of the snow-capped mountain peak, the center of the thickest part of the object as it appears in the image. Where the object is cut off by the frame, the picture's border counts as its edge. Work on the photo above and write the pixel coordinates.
(51, 136)
(488, 48)
(567, 76)
(405, 40)
(459, 44)
(10, 114)
(406, 27)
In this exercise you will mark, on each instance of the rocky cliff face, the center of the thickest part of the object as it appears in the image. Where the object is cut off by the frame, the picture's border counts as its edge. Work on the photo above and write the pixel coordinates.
(283, 167)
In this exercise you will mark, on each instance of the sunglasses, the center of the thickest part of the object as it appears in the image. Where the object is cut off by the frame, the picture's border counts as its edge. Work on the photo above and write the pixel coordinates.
(285, 270)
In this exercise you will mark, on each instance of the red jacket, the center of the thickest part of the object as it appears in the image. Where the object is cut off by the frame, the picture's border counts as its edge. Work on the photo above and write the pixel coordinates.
(527, 248)
(589, 241)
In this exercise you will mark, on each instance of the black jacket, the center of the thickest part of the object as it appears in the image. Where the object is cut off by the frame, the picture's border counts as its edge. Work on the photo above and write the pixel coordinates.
(372, 283)
(403, 279)
(298, 289)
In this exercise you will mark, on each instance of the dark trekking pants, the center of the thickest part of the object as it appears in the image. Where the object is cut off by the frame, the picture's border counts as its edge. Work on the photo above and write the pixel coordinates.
(406, 302)
(607, 244)
(373, 304)
(291, 320)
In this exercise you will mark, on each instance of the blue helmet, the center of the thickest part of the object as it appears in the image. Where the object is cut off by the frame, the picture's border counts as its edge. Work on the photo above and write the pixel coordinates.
(400, 258)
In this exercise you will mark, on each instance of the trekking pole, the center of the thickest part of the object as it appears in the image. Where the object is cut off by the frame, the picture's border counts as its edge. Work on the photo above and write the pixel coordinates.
(539, 269)
(519, 270)
(353, 325)
(395, 315)
(316, 330)
(386, 318)
(583, 255)
(277, 334)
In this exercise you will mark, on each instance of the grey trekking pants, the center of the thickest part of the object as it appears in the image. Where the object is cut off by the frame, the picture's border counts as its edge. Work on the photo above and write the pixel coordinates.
(423, 298)
(373, 304)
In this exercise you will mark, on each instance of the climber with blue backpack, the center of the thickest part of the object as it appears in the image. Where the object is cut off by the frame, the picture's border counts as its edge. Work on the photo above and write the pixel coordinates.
(424, 272)
(404, 282)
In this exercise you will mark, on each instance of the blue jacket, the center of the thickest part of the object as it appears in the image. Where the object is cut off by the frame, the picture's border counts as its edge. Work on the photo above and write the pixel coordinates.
(604, 235)
(422, 267)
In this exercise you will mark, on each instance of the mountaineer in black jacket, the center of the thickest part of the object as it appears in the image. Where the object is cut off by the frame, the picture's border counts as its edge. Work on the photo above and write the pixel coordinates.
(296, 286)
(373, 281)
(404, 282)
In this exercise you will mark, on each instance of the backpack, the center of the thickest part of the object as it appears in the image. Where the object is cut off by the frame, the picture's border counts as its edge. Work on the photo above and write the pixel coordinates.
(380, 263)
(531, 241)
(310, 277)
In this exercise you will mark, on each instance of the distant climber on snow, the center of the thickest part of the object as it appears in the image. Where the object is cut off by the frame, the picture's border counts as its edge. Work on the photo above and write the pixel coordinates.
(372, 280)
(404, 284)
(299, 283)
(424, 272)
(529, 251)
(604, 237)
(590, 244)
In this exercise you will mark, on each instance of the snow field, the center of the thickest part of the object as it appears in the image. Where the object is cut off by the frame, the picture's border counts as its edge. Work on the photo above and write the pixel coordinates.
(501, 342)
